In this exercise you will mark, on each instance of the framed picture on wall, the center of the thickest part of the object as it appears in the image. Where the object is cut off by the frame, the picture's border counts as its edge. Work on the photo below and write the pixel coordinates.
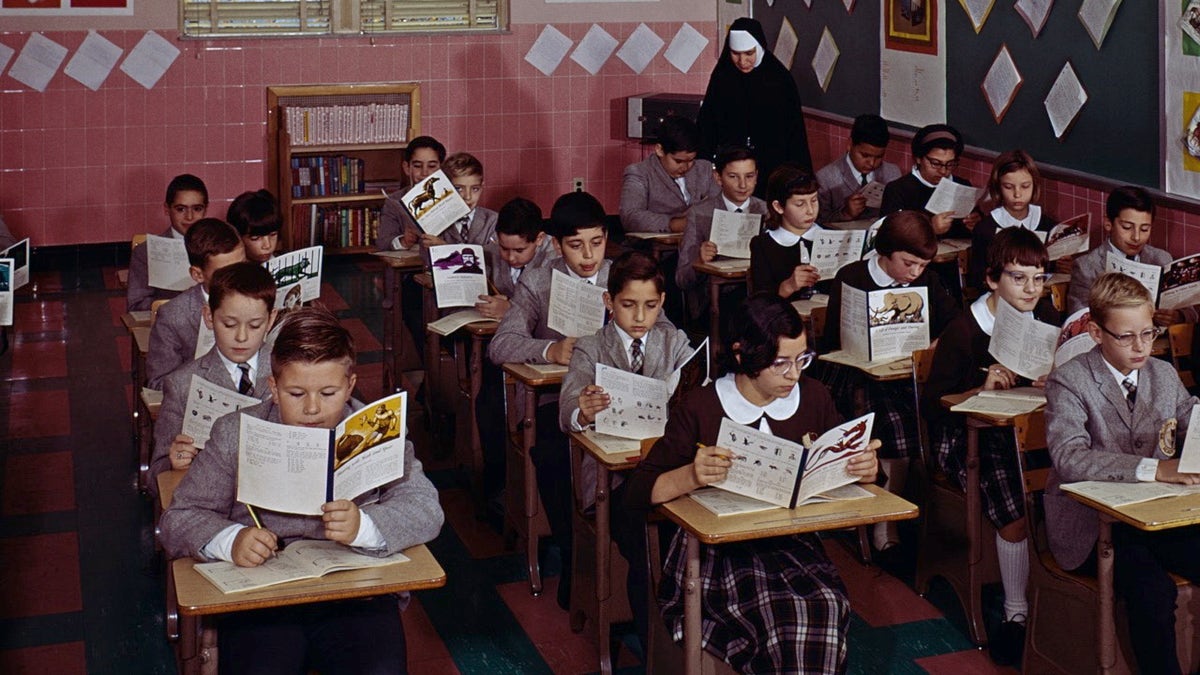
(911, 25)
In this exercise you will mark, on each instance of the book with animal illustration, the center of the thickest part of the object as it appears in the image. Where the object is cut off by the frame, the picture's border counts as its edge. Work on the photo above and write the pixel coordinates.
(434, 203)
(206, 403)
(302, 559)
(886, 324)
(294, 469)
(784, 473)
(297, 276)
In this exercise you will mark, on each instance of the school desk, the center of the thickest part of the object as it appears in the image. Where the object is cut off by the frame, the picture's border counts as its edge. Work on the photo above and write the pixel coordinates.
(397, 266)
(138, 325)
(720, 273)
(661, 243)
(433, 345)
(886, 371)
(701, 526)
(470, 346)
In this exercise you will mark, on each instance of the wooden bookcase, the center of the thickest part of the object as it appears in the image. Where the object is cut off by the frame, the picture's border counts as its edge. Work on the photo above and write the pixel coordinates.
(380, 158)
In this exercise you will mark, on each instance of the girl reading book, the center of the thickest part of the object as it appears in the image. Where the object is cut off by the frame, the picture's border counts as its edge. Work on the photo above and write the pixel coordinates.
(1014, 188)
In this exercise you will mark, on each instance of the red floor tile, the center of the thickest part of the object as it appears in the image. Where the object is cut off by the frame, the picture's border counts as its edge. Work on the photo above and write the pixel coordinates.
(36, 360)
(480, 539)
(332, 300)
(38, 483)
(40, 575)
(116, 309)
(39, 316)
(45, 280)
(967, 662)
(424, 644)
(878, 598)
(124, 354)
(34, 414)
(549, 628)
(56, 659)
(364, 339)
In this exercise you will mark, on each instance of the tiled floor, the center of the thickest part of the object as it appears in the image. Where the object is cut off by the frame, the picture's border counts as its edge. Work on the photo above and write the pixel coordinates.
(81, 583)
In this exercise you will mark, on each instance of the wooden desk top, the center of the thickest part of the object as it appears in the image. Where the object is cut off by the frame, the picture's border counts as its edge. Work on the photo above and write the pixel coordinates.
(900, 369)
(613, 461)
(663, 238)
(712, 529)
(1154, 515)
(725, 272)
(951, 400)
(532, 377)
(806, 307)
(198, 596)
(141, 336)
(401, 260)
(851, 224)
(140, 318)
(481, 329)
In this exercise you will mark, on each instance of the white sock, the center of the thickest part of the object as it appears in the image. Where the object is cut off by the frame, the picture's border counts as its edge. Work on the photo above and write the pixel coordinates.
(1014, 574)
(897, 473)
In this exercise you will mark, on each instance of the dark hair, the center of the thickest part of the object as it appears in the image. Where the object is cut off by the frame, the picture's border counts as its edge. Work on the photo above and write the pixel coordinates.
(185, 182)
(573, 212)
(1011, 162)
(908, 231)
(732, 153)
(634, 266)
(870, 129)
(755, 330)
(254, 214)
(462, 164)
(1128, 197)
(1018, 246)
(678, 134)
(425, 142)
(520, 217)
(209, 237)
(787, 180)
(311, 335)
(244, 278)
(936, 136)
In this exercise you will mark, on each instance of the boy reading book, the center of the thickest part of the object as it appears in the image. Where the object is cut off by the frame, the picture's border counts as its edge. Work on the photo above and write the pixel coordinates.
(844, 179)
(1116, 413)
(657, 192)
(312, 377)
(479, 225)
(397, 230)
(186, 202)
(255, 215)
(240, 311)
(520, 245)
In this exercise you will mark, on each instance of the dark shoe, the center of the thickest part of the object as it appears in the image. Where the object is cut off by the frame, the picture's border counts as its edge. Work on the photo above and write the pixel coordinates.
(1008, 643)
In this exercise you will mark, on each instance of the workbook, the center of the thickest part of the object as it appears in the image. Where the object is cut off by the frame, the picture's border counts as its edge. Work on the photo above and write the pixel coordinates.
(884, 324)
(1021, 343)
(576, 306)
(724, 503)
(294, 469)
(297, 276)
(1116, 495)
(206, 403)
(167, 263)
(732, 232)
(303, 559)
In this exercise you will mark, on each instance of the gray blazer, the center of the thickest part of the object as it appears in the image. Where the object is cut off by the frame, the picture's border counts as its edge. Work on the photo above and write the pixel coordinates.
(1093, 436)
(699, 227)
(501, 273)
(406, 511)
(650, 198)
(838, 182)
(173, 335)
(1086, 268)
(169, 423)
(394, 220)
(481, 230)
(139, 295)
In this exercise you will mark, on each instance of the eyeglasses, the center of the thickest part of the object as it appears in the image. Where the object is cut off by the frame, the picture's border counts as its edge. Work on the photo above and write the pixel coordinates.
(784, 366)
(1020, 278)
(1145, 337)
(942, 166)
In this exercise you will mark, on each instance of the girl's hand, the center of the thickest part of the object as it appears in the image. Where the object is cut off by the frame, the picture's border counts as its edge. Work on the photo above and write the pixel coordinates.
(941, 222)
(591, 401)
(972, 220)
(865, 464)
(711, 465)
(999, 377)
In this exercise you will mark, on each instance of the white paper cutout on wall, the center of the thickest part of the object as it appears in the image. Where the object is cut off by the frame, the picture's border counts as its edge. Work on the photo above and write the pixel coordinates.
(685, 47)
(977, 11)
(1097, 17)
(594, 49)
(1034, 12)
(640, 48)
(1065, 100)
(849, 5)
(93, 61)
(38, 61)
(6, 53)
(150, 59)
(548, 50)
(785, 44)
(1001, 84)
(825, 59)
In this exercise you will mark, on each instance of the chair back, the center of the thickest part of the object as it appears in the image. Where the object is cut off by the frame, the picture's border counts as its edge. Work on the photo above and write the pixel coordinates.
(138, 240)
(922, 365)
(1179, 336)
(154, 307)
(1058, 296)
(963, 262)
(817, 321)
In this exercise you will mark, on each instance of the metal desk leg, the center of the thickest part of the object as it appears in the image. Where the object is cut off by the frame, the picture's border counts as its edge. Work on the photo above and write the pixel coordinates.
(1107, 629)
(974, 533)
(528, 439)
(691, 606)
(603, 583)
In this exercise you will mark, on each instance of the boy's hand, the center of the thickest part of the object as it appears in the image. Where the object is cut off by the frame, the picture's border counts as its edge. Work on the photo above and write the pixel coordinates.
(711, 465)
(253, 546)
(428, 240)
(1167, 317)
(941, 222)
(1168, 472)
(560, 352)
(409, 239)
(865, 464)
(182, 452)
(999, 377)
(972, 220)
(855, 205)
(341, 518)
(493, 306)
(678, 223)
(591, 401)
(708, 251)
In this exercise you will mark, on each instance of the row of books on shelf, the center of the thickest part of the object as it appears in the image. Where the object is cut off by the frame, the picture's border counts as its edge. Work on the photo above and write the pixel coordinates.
(339, 227)
(322, 175)
(335, 124)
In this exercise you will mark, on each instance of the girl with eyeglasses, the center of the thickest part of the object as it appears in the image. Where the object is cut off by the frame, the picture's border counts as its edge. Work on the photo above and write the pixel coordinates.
(1014, 187)
(936, 150)
(783, 607)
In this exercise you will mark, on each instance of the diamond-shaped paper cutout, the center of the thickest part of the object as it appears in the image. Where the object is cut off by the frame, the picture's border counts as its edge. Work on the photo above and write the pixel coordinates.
(977, 11)
(1034, 12)
(1065, 100)
(825, 59)
(594, 49)
(1097, 17)
(1001, 84)
(849, 6)
(785, 44)
(640, 48)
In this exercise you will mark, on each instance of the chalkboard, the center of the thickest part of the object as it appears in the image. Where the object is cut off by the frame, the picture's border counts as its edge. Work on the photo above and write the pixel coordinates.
(1116, 134)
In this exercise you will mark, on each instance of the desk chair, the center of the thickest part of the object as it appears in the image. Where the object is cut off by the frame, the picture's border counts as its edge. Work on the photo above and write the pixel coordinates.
(817, 321)
(123, 274)
(969, 293)
(1180, 338)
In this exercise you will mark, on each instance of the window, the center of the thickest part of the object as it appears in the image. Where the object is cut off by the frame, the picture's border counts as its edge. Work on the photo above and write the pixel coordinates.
(208, 18)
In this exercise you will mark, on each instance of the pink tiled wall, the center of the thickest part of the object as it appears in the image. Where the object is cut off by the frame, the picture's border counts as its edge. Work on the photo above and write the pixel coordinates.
(78, 166)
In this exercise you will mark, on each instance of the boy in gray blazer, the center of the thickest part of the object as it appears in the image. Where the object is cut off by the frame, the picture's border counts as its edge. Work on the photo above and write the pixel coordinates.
(657, 192)
(479, 225)
(186, 203)
(397, 230)
(1118, 414)
(843, 179)
(240, 311)
(311, 382)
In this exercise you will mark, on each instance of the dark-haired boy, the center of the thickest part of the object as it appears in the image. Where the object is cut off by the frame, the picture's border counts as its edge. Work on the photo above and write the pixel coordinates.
(397, 230)
(843, 179)
(479, 225)
(255, 215)
(186, 202)
(211, 244)
(312, 364)
(657, 192)
(240, 311)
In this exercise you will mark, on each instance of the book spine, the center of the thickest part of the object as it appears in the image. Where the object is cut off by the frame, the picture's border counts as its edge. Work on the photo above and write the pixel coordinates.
(799, 479)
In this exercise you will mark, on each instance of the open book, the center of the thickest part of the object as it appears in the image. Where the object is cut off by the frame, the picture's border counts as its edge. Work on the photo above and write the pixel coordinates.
(7, 267)
(297, 276)
(1116, 495)
(952, 197)
(294, 469)
(724, 503)
(884, 324)
(459, 274)
(303, 559)
(576, 306)
(834, 249)
(455, 320)
(434, 203)
(1004, 402)
(1073, 337)
(1021, 343)
(167, 262)
(1070, 237)
(206, 403)
(19, 253)
(732, 232)
(637, 404)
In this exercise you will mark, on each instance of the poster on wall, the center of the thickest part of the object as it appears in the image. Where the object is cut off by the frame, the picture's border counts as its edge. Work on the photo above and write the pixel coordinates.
(66, 7)
(912, 68)
(1180, 139)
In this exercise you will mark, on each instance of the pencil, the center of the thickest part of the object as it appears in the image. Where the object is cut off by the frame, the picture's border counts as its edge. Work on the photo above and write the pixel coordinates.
(254, 517)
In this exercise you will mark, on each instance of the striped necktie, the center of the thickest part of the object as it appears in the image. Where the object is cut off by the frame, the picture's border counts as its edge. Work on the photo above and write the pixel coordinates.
(246, 386)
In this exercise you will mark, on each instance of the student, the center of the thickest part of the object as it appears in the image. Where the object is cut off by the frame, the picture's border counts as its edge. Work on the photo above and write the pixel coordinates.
(1016, 275)
(842, 180)
(186, 203)
(520, 245)
(936, 150)
(240, 311)
(255, 215)
(423, 156)
(479, 225)
(657, 192)
(312, 377)
(211, 244)
(1118, 414)
(779, 257)
(769, 605)
(1014, 187)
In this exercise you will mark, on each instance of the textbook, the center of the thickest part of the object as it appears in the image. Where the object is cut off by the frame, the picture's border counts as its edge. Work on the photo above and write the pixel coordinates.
(435, 204)
(297, 276)
(723, 503)
(167, 261)
(206, 403)
(959, 200)
(732, 232)
(1003, 402)
(459, 274)
(783, 473)
(294, 469)
(303, 559)
(1116, 495)
(1070, 237)
(1174, 286)
(1021, 343)
(450, 323)
(576, 306)
(1073, 337)
(6, 291)
(834, 249)
(884, 324)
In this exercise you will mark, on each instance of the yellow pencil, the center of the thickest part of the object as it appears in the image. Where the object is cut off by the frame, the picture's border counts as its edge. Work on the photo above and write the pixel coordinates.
(254, 517)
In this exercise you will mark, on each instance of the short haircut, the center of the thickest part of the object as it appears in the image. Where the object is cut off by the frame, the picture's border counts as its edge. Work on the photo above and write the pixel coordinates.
(871, 130)
(1011, 162)
(1018, 246)
(755, 330)
(908, 231)
(678, 134)
(185, 182)
(1116, 291)
(424, 142)
(573, 212)
(244, 278)
(255, 214)
(1128, 197)
(787, 180)
(520, 217)
(634, 266)
(934, 137)
(732, 153)
(311, 335)
(209, 237)
(462, 164)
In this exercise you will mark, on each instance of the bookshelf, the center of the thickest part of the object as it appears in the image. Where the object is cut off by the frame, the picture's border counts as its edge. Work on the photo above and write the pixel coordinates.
(331, 148)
